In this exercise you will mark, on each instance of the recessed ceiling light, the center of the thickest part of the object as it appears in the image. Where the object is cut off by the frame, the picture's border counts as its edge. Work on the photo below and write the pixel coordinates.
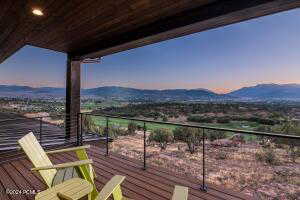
(37, 12)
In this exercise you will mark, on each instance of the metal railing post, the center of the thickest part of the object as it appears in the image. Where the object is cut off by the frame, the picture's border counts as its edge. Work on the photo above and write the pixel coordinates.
(203, 187)
(107, 136)
(78, 136)
(41, 130)
(145, 146)
(81, 130)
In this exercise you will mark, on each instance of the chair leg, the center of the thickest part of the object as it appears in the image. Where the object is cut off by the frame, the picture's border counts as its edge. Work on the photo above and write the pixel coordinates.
(90, 196)
(82, 155)
(94, 193)
(85, 173)
(117, 194)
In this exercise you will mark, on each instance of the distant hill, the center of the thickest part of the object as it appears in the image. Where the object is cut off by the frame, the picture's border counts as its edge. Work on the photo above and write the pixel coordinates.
(156, 95)
(269, 91)
(31, 92)
(258, 92)
(113, 92)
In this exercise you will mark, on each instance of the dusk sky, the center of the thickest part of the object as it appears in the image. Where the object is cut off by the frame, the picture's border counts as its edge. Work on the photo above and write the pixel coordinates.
(263, 50)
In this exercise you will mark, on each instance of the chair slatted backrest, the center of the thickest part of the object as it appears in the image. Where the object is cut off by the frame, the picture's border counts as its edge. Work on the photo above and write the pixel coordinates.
(37, 156)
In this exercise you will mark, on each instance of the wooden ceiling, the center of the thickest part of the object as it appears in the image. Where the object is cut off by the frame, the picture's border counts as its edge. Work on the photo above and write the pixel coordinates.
(94, 28)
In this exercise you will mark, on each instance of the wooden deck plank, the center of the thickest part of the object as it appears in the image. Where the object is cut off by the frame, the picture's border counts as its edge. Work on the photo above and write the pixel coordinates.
(122, 163)
(162, 186)
(155, 183)
(102, 179)
(35, 183)
(140, 192)
(190, 181)
(19, 180)
(28, 165)
(133, 181)
(3, 195)
(8, 183)
(174, 178)
(152, 179)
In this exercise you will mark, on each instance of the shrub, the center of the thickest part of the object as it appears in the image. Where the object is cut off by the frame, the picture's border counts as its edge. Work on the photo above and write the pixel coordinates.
(88, 123)
(264, 121)
(267, 155)
(113, 131)
(215, 135)
(238, 139)
(293, 151)
(139, 127)
(200, 119)
(117, 131)
(131, 128)
(221, 155)
(162, 136)
(191, 136)
(263, 128)
(223, 120)
(165, 118)
(292, 146)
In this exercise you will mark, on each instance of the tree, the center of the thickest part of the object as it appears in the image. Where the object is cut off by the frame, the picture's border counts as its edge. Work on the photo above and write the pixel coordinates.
(162, 136)
(165, 118)
(200, 119)
(191, 136)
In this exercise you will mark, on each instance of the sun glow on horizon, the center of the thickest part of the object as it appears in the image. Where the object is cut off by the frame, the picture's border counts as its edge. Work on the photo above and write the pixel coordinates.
(222, 90)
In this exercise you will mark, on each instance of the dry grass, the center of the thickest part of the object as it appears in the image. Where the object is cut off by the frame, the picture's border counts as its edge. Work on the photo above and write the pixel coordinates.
(234, 167)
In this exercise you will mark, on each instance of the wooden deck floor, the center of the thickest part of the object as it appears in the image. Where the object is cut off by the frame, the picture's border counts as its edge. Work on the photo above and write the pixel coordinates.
(154, 183)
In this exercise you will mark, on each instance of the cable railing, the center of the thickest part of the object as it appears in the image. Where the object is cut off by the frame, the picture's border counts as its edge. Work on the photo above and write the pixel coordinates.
(50, 131)
(260, 164)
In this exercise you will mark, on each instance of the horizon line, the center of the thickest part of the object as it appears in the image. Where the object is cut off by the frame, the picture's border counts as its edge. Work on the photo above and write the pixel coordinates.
(217, 91)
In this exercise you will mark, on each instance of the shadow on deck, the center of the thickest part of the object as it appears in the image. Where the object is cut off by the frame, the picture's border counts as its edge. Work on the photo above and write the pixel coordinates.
(154, 183)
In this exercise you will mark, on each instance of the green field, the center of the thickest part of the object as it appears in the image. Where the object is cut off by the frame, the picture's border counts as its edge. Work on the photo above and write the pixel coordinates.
(101, 121)
(241, 125)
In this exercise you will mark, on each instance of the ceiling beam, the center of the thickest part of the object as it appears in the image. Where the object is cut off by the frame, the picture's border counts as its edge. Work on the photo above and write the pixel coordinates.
(217, 14)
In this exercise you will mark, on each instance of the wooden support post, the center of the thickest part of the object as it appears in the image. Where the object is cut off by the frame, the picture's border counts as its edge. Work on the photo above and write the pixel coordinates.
(72, 96)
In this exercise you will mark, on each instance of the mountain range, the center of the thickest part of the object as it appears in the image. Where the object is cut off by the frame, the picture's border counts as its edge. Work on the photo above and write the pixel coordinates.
(269, 91)
(258, 92)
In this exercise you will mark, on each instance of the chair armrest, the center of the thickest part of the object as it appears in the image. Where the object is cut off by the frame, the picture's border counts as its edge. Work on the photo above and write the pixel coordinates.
(68, 149)
(64, 165)
(180, 193)
(110, 186)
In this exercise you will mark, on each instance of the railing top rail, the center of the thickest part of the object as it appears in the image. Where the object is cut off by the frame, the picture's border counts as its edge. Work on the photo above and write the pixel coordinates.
(28, 118)
(203, 127)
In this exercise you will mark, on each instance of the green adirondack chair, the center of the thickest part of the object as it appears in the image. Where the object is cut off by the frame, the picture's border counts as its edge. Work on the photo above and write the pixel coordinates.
(55, 174)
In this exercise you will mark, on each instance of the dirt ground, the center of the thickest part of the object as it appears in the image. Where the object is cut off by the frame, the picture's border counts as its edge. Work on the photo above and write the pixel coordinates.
(233, 167)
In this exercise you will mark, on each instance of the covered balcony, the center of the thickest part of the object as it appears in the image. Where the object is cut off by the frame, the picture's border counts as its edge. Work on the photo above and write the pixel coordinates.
(85, 32)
